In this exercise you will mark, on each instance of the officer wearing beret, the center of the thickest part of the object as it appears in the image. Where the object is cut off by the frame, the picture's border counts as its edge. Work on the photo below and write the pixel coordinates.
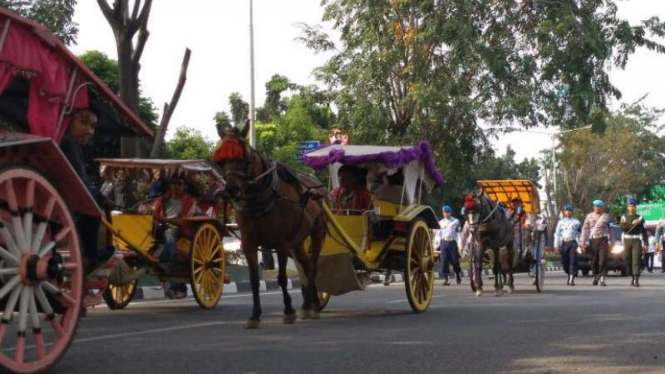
(596, 228)
(634, 240)
(446, 240)
(565, 239)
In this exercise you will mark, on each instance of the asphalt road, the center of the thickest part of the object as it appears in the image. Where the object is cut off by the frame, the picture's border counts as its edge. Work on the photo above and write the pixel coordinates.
(582, 329)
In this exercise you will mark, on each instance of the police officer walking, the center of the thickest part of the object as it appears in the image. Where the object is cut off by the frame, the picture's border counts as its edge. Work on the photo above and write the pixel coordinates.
(596, 228)
(565, 239)
(634, 235)
(446, 240)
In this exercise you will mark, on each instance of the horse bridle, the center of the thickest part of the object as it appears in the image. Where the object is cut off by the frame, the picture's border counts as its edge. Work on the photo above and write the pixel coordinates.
(484, 221)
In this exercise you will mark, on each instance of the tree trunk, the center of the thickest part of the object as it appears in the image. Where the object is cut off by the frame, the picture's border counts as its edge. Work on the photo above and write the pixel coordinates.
(170, 107)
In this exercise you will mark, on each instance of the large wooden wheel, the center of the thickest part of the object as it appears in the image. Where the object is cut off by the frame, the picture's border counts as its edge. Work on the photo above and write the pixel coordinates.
(419, 269)
(207, 266)
(118, 297)
(42, 272)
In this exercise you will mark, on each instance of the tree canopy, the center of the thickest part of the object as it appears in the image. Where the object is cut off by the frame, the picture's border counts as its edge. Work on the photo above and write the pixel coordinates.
(627, 160)
(188, 144)
(57, 15)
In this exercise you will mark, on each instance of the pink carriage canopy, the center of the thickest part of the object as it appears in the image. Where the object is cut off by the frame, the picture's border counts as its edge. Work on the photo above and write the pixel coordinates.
(37, 71)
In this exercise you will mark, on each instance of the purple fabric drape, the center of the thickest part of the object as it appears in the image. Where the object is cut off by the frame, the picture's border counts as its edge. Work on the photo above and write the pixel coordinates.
(390, 159)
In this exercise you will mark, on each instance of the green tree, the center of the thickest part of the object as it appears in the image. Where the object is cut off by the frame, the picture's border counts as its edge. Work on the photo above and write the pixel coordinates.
(409, 70)
(108, 71)
(275, 104)
(627, 160)
(239, 109)
(56, 15)
(188, 144)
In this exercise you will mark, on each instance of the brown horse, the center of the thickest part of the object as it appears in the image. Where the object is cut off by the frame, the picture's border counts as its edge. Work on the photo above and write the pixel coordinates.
(276, 208)
(492, 230)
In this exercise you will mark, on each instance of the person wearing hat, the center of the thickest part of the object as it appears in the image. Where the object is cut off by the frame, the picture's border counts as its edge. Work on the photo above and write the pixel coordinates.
(634, 240)
(565, 240)
(596, 228)
(446, 240)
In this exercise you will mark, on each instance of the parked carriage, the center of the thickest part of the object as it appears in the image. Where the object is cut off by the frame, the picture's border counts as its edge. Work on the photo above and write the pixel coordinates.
(530, 254)
(391, 236)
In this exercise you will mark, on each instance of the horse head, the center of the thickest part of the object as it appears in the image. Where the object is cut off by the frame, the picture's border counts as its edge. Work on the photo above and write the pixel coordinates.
(237, 160)
(472, 209)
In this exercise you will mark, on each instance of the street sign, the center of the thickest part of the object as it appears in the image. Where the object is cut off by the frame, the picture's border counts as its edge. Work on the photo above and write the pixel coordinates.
(307, 147)
(652, 212)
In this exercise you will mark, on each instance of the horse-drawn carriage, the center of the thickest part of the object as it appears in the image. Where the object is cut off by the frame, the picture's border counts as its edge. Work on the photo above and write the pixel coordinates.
(135, 232)
(514, 206)
(393, 234)
(43, 200)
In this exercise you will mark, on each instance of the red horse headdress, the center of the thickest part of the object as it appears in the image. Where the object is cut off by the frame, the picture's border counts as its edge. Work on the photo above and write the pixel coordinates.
(470, 202)
(228, 150)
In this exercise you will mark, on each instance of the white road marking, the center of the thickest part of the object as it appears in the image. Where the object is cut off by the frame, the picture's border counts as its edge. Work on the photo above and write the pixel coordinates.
(153, 331)
(189, 299)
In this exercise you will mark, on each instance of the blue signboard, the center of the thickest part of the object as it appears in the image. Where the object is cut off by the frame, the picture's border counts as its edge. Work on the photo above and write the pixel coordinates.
(307, 147)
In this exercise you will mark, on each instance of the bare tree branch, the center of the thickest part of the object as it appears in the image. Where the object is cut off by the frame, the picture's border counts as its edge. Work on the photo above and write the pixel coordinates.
(108, 13)
(170, 107)
(135, 11)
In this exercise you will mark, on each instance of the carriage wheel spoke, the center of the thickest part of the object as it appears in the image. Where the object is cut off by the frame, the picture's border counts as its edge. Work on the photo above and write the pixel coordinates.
(63, 297)
(16, 279)
(41, 229)
(8, 257)
(9, 239)
(17, 224)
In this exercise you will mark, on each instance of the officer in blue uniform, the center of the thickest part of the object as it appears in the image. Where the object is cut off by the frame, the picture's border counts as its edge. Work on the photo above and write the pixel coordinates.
(446, 240)
(565, 239)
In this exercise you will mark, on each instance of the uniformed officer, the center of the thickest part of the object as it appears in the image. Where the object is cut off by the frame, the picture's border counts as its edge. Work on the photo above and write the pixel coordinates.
(565, 239)
(596, 228)
(634, 240)
(446, 240)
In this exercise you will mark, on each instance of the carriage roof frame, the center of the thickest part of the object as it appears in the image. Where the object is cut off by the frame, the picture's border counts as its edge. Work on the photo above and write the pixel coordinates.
(505, 190)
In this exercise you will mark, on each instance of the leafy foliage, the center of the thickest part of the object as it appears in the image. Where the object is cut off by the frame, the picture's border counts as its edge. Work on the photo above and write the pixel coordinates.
(108, 71)
(627, 160)
(57, 15)
(188, 144)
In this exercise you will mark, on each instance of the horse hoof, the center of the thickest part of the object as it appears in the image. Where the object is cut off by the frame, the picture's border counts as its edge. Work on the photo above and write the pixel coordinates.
(305, 314)
(253, 324)
(289, 319)
(511, 290)
(479, 293)
(497, 293)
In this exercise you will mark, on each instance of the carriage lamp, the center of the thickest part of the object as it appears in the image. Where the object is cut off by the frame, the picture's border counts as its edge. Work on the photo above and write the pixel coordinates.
(617, 249)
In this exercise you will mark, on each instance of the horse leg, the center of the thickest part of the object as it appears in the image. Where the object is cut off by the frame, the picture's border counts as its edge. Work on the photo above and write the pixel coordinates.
(251, 254)
(289, 313)
(506, 267)
(303, 260)
(318, 235)
(478, 273)
(497, 274)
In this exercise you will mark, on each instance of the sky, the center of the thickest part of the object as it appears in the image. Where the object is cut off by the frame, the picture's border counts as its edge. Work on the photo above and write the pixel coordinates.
(217, 32)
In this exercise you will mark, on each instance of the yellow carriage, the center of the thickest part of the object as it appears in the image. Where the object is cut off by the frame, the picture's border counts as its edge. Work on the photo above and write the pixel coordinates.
(531, 240)
(392, 235)
(200, 252)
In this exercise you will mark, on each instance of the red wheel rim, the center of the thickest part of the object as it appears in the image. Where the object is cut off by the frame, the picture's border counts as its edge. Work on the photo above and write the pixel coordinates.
(40, 272)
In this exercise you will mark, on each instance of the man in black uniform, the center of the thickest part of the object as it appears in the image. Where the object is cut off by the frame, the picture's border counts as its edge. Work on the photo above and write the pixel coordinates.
(79, 133)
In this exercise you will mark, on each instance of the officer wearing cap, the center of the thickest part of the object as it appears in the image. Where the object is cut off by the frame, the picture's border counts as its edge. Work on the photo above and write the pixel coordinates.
(596, 228)
(446, 240)
(634, 240)
(565, 239)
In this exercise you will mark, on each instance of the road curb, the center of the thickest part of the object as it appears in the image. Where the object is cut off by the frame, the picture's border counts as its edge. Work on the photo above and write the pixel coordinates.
(157, 292)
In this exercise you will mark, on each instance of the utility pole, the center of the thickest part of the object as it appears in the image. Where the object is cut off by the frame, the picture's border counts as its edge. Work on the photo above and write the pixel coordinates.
(252, 104)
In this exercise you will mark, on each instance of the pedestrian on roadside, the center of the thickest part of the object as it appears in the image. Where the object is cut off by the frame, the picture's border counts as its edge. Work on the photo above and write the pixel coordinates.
(596, 228)
(635, 240)
(446, 240)
(651, 251)
(660, 242)
(565, 240)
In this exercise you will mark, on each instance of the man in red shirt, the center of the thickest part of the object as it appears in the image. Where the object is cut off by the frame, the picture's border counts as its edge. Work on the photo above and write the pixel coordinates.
(352, 193)
(169, 210)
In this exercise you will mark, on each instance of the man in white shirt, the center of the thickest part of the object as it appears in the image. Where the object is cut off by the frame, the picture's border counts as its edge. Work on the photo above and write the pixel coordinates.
(446, 240)
(651, 252)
